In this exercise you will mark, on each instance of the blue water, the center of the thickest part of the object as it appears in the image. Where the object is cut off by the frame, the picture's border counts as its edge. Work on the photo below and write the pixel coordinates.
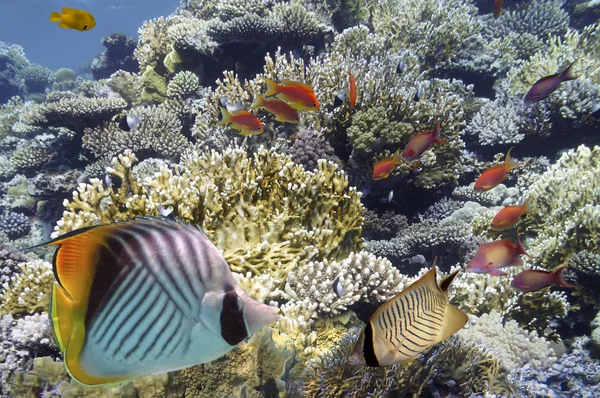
(25, 22)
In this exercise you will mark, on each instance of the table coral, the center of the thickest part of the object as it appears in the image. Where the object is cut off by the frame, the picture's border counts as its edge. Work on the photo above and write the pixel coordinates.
(265, 212)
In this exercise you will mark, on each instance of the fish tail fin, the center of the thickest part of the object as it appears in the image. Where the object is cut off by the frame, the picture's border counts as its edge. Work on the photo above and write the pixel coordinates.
(559, 277)
(520, 248)
(272, 87)
(527, 207)
(55, 16)
(437, 132)
(568, 73)
(509, 162)
(225, 116)
(397, 158)
(258, 102)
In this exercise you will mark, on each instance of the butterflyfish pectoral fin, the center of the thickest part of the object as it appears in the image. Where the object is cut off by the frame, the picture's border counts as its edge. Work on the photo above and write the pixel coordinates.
(454, 320)
(61, 316)
(75, 260)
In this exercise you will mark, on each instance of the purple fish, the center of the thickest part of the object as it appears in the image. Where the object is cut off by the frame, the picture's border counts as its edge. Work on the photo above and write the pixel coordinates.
(546, 85)
(533, 279)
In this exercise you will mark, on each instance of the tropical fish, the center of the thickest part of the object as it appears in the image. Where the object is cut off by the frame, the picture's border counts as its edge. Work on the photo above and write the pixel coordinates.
(509, 216)
(351, 89)
(421, 142)
(419, 94)
(282, 111)
(492, 256)
(145, 296)
(498, 8)
(532, 280)
(339, 99)
(384, 167)
(546, 85)
(298, 95)
(128, 122)
(338, 289)
(401, 68)
(243, 121)
(493, 176)
(409, 323)
(72, 18)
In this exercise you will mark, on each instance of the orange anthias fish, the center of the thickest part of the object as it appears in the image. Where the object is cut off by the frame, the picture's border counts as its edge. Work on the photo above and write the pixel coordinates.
(243, 121)
(493, 176)
(351, 89)
(510, 216)
(72, 18)
(384, 167)
(282, 111)
(421, 142)
(298, 95)
(492, 256)
(498, 8)
(546, 85)
(532, 280)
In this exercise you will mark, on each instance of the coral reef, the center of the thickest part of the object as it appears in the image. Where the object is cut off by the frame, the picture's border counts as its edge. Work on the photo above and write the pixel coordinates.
(118, 55)
(14, 225)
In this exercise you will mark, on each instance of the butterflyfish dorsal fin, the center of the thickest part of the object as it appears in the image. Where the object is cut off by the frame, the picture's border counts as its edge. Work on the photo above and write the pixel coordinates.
(454, 320)
(447, 280)
(74, 262)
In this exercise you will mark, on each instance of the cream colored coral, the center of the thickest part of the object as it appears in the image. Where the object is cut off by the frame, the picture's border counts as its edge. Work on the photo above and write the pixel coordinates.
(29, 291)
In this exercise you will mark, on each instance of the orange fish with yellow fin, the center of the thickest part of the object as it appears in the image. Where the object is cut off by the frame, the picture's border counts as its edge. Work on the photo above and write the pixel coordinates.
(298, 95)
(383, 168)
(509, 216)
(493, 176)
(245, 122)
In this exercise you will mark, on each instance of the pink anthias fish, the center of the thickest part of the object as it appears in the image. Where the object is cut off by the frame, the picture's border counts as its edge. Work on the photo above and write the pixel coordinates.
(546, 85)
(421, 142)
(492, 256)
(532, 280)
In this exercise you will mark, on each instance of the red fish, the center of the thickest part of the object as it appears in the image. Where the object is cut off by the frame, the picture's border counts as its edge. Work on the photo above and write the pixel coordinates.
(546, 85)
(498, 8)
(492, 256)
(384, 167)
(298, 95)
(493, 176)
(510, 216)
(243, 121)
(533, 279)
(351, 89)
(282, 111)
(421, 142)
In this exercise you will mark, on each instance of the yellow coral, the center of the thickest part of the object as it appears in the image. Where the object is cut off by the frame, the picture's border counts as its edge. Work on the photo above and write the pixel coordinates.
(29, 291)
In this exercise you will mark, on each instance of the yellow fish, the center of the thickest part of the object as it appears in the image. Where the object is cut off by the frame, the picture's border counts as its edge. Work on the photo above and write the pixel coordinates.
(409, 323)
(72, 18)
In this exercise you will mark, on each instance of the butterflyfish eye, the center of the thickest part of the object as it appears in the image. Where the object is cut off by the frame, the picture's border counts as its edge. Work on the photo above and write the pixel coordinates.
(84, 27)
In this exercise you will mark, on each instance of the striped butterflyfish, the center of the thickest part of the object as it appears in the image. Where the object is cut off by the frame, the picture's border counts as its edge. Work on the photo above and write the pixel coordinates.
(145, 296)
(409, 323)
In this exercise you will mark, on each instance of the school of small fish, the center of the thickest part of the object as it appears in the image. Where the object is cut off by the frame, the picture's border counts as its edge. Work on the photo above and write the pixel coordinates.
(110, 332)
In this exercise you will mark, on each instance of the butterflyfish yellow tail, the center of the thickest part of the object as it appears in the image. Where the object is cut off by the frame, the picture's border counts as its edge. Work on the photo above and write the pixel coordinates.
(454, 320)
(55, 16)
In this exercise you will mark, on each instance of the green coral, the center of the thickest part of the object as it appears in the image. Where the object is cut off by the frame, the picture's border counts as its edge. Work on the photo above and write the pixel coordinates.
(371, 124)
(183, 85)
(265, 212)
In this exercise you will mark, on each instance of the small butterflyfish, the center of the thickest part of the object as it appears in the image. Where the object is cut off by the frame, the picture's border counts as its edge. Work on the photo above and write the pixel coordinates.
(298, 95)
(385, 167)
(339, 98)
(546, 85)
(280, 109)
(145, 296)
(419, 94)
(532, 280)
(128, 122)
(492, 256)
(493, 176)
(401, 68)
(245, 122)
(409, 323)
(351, 89)
(509, 216)
(72, 18)
(338, 289)
(421, 142)
(498, 8)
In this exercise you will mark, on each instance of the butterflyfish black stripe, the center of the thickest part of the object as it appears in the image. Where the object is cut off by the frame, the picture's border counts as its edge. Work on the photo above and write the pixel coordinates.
(148, 258)
(166, 322)
(171, 338)
(190, 241)
(126, 286)
(233, 326)
(404, 314)
(180, 255)
(368, 347)
(111, 266)
(150, 323)
(125, 316)
(135, 324)
(182, 340)
(424, 331)
(207, 263)
(415, 339)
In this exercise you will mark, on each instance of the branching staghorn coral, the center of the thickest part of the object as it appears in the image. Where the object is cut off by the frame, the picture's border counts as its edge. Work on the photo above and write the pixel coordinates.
(265, 212)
